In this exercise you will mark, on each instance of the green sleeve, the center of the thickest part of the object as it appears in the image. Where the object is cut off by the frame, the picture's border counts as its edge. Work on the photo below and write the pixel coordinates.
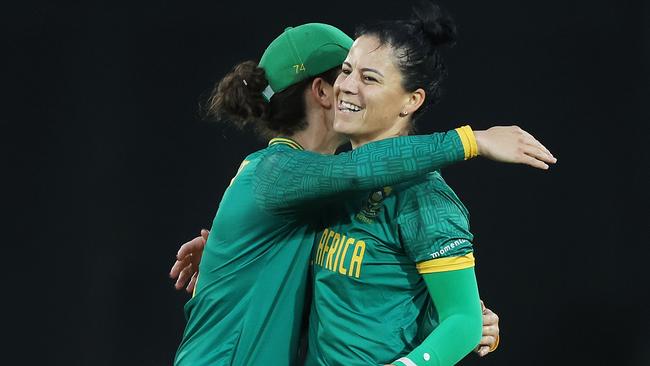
(433, 222)
(456, 299)
(289, 178)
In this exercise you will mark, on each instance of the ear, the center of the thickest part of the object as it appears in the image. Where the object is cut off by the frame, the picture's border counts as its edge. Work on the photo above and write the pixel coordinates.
(414, 102)
(322, 92)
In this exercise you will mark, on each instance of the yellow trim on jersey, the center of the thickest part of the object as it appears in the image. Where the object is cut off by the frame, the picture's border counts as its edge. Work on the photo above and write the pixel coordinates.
(469, 141)
(285, 141)
(495, 345)
(241, 167)
(446, 264)
(195, 283)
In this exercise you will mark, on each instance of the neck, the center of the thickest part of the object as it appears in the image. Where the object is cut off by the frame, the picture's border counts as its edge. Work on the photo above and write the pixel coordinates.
(319, 136)
(312, 141)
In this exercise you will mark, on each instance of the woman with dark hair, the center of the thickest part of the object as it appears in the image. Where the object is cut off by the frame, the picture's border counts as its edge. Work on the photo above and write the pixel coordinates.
(394, 273)
(248, 300)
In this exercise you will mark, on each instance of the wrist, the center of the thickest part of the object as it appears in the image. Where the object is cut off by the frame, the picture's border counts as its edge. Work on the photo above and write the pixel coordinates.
(480, 138)
(469, 142)
(403, 361)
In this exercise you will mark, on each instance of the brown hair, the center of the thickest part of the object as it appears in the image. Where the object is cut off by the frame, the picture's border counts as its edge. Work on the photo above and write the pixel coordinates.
(237, 98)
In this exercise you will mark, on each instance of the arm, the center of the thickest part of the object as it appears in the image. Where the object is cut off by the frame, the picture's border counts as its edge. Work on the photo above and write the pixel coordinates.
(289, 178)
(455, 297)
(434, 231)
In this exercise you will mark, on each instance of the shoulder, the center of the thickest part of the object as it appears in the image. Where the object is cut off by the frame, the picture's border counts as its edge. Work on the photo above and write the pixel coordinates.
(272, 156)
(433, 223)
(430, 192)
(279, 153)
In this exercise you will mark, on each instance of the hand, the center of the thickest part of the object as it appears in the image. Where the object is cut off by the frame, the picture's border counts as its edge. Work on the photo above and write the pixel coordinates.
(187, 262)
(490, 332)
(513, 145)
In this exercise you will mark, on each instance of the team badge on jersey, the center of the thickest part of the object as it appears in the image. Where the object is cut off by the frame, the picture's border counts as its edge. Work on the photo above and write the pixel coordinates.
(373, 205)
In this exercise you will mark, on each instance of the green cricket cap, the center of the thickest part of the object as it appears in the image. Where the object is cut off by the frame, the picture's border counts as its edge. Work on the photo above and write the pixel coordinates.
(302, 52)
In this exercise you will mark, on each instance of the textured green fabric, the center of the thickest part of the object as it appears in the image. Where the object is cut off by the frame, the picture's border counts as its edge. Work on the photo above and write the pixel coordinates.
(286, 179)
(250, 294)
(456, 300)
(370, 304)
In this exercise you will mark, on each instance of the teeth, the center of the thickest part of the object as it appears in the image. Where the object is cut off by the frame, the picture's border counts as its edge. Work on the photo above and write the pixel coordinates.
(350, 106)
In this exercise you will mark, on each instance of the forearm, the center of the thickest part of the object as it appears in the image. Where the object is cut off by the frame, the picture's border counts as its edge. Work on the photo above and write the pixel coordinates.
(455, 297)
(293, 179)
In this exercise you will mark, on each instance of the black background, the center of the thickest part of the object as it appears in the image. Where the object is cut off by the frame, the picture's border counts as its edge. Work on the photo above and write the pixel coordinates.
(107, 169)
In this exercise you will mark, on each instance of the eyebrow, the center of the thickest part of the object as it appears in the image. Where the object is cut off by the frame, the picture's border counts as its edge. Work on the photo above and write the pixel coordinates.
(365, 69)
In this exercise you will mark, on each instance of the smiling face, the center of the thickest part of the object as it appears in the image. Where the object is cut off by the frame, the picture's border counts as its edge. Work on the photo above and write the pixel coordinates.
(371, 102)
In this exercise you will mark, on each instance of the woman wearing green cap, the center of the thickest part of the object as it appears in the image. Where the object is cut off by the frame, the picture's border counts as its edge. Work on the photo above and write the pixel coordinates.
(249, 298)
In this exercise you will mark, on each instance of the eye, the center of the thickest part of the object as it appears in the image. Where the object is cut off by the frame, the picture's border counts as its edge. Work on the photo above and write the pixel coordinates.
(369, 78)
(346, 71)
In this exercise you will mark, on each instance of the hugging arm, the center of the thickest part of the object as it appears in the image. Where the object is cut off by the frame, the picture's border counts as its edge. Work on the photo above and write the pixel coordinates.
(455, 297)
(288, 179)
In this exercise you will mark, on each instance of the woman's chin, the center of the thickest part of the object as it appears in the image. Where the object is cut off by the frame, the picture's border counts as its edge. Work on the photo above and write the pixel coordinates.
(343, 126)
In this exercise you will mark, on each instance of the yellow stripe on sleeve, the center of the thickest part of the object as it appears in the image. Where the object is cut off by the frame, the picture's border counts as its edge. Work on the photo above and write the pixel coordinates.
(469, 141)
(446, 264)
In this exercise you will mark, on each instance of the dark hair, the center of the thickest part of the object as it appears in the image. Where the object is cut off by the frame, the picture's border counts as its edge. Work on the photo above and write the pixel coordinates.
(417, 42)
(238, 99)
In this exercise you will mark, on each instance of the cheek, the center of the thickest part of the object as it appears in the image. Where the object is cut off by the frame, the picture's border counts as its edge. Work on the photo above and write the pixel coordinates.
(337, 84)
(384, 109)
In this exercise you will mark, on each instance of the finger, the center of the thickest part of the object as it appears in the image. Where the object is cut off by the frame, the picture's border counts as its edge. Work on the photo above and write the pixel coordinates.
(178, 266)
(536, 142)
(486, 340)
(205, 233)
(544, 148)
(538, 154)
(490, 318)
(490, 331)
(529, 160)
(533, 142)
(190, 247)
(184, 276)
(192, 284)
(482, 306)
(483, 350)
(541, 154)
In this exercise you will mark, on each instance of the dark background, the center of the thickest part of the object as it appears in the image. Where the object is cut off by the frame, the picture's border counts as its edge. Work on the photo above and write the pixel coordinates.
(107, 169)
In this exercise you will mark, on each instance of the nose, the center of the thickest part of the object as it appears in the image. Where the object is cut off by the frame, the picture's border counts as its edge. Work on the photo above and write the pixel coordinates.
(349, 84)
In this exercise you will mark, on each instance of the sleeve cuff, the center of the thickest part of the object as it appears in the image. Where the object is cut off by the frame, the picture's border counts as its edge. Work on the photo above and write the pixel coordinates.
(404, 361)
(468, 140)
(446, 264)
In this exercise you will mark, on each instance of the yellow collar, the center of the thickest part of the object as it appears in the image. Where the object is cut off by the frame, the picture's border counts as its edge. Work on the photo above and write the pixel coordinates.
(285, 141)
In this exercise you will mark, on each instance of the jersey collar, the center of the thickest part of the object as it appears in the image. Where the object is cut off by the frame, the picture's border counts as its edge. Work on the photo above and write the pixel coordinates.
(285, 141)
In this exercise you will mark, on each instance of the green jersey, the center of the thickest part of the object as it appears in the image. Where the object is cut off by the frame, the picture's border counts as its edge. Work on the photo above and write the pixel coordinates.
(370, 303)
(249, 299)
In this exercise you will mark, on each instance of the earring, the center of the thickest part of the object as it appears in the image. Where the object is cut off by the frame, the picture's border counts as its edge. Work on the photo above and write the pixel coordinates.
(403, 114)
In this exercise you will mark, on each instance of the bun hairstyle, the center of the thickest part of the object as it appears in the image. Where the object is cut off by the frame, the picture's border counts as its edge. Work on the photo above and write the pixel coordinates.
(437, 26)
(416, 43)
(237, 98)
